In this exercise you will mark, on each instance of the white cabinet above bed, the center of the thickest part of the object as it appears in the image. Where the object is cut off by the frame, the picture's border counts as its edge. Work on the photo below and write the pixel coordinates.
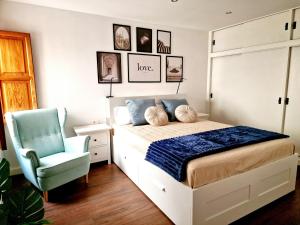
(270, 29)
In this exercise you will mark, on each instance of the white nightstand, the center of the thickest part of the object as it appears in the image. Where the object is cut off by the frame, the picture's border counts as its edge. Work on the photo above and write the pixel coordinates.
(99, 145)
(202, 116)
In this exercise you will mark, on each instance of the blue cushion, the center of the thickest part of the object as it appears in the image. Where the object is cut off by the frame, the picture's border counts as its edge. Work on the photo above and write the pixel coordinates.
(137, 108)
(61, 162)
(170, 105)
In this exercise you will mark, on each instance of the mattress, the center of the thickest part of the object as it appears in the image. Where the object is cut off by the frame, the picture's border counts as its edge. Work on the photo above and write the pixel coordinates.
(210, 168)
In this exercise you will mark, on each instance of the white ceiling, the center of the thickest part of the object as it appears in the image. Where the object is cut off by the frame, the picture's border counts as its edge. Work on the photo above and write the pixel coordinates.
(196, 14)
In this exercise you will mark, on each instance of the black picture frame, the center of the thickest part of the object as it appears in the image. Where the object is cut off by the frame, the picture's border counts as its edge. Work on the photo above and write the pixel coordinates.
(143, 40)
(162, 44)
(131, 66)
(120, 42)
(174, 63)
(109, 67)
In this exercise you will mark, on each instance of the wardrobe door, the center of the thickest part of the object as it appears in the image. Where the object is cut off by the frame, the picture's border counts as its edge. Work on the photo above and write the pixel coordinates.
(246, 89)
(228, 38)
(296, 34)
(267, 30)
(224, 89)
(292, 125)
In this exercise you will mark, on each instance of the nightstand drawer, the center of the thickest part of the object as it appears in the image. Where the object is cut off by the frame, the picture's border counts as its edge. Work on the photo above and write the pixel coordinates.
(98, 154)
(98, 139)
(99, 144)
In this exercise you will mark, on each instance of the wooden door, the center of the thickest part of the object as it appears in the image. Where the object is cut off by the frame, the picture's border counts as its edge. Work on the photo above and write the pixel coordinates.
(246, 89)
(292, 125)
(16, 72)
(296, 32)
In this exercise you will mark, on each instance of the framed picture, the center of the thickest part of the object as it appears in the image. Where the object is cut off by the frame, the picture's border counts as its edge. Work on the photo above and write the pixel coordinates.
(122, 37)
(174, 68)
(109, 67)
(144, 68)
(163, 42)
(143, 40)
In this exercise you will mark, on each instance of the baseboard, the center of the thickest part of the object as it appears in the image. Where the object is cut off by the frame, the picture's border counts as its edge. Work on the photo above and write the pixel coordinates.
(15, 171)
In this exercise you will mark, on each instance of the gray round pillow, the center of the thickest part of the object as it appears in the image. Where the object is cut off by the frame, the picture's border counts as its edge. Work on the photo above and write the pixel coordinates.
(185, 114)
(156, 116)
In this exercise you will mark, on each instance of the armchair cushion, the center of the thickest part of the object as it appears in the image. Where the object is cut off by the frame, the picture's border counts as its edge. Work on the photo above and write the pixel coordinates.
(77, 144)
(61, 162)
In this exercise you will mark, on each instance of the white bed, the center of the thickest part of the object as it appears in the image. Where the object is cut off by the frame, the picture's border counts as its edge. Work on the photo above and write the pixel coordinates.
(220, 202)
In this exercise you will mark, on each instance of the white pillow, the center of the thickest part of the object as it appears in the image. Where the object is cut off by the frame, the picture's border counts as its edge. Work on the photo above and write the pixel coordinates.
(185, 114)
(121, 115)
(156, 116)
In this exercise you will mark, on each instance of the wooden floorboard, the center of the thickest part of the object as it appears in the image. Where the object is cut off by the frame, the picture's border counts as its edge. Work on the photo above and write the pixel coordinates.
(109, 198)
(112, 198)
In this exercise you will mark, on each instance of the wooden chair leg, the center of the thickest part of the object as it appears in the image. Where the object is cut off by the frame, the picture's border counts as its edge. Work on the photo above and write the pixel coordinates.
(45, 193)
(87, 179)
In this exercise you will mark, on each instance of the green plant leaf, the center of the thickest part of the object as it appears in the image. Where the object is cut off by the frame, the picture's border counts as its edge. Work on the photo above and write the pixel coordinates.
(5, 185)
(25, 207)
(5, 181)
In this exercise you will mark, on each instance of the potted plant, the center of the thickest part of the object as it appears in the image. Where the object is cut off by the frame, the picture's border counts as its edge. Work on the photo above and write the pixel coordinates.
(22, 206)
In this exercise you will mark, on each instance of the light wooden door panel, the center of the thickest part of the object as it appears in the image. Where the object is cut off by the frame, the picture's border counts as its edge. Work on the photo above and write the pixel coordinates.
(16, 95)
(292, 125)
(12, 56)
(246, 89)
(270, 29)
(17, 80)
(296, 32)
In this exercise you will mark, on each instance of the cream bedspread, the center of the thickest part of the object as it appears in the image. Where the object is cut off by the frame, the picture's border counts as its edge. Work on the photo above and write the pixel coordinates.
(210, 168)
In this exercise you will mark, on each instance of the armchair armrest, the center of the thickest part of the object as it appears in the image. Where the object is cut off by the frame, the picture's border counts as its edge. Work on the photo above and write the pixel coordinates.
(77, 144)
(30, 154)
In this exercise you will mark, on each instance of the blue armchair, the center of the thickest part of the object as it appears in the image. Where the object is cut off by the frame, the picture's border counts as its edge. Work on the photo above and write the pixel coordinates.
(47, 157)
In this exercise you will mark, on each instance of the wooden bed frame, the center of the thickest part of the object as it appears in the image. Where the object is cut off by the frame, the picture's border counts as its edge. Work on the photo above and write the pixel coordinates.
(221, 202)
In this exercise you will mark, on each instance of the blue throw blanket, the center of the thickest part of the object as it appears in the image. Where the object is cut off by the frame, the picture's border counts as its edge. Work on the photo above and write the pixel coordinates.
(173, 154)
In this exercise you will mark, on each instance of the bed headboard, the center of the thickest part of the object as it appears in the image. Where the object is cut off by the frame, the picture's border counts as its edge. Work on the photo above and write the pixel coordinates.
(120, 101)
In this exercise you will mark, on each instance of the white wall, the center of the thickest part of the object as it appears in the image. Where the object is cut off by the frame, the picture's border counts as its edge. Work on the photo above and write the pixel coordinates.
(64, 45)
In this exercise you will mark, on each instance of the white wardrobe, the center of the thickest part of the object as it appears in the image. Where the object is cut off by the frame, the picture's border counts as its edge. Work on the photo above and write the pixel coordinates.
(254, 74)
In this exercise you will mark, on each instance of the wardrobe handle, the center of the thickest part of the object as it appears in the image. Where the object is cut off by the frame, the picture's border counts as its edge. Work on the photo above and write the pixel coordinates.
(279, 100)
(294, 26)
(287, 100)
(286, 26)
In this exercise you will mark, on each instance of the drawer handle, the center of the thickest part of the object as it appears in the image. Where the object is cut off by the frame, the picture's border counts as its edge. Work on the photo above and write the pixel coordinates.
(160, 186)
(95, 153)
(95, 139)
(125, 157)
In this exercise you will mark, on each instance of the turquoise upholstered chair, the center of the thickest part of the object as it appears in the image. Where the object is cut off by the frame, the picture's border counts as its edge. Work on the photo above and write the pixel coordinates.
(47, 157)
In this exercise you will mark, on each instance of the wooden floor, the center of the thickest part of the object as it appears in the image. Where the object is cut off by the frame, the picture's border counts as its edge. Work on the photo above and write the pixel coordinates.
(111, 198)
